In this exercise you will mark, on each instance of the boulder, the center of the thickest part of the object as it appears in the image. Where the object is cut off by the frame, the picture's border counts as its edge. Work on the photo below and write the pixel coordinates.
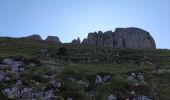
(137, 77)
(2, 76)
(102, 79)
(8, 61)
(133, 38)
(112, 97)
(53, 39)
(98, 79)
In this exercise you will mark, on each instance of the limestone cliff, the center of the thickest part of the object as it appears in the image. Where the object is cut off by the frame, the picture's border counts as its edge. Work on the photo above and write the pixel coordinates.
(133, 38)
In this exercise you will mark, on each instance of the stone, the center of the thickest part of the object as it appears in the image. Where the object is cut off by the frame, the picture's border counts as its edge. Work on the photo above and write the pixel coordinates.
(26, 92)
(106, 78)
(131, 78)
(43, 51)
(18, 64)
(137, 76)
(53, 39)
(140, 77)
(2, 76)
(148, 63)
(76, 41)
(3, 66)
(141, 63)
(12, 93)
(85, 41)
(32, 65)
(15, 69)
(133, 38)
(82, 83)
(8, 61)
(112, 97)
(142, 98)
(91, 95)
(56, 83)
(98, 79)
(7, 79)
(34, 37)
(69, 98)
(18, 82)
(72, 79)
(132, 92)
(49, 94)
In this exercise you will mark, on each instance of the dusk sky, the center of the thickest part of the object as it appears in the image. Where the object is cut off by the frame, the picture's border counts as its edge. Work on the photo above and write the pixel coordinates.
(69, 19)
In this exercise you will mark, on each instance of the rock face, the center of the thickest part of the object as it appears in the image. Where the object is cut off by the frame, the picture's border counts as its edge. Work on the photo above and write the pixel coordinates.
(53, 39)
(133, 38)
(34, 37)
(76, 41)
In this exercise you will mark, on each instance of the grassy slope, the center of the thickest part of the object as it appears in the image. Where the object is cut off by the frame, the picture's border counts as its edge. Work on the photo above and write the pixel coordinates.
(158, 82)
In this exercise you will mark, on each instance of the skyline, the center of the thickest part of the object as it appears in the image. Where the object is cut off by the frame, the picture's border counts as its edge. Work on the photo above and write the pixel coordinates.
(71, 19)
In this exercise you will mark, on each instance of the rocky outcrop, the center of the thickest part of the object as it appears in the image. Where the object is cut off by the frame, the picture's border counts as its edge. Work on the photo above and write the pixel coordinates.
(53, 39)
(133, 38)
(34, 37)
(76, 41)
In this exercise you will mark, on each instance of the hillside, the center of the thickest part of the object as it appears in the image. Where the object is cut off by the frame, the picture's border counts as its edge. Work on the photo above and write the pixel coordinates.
(36, 69)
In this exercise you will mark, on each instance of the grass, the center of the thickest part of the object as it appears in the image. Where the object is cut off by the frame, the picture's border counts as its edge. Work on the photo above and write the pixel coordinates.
(75, 64)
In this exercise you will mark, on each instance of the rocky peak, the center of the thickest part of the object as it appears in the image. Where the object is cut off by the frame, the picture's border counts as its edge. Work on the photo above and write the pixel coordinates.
(53, 39)
(34, 37)
(76, 41)
(133, 38)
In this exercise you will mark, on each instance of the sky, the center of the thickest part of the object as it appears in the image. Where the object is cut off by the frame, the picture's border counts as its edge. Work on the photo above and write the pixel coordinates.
(69, 19)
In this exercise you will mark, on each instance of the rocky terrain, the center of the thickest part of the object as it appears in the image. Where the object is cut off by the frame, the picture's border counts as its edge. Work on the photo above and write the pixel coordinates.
(53, 39)
(76, 41)
(132, 38)
(33, 69)
(121, 38)
(34, 37)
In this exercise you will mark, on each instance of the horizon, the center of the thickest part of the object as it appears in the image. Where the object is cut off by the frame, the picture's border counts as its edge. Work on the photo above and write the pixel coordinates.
(71, 19)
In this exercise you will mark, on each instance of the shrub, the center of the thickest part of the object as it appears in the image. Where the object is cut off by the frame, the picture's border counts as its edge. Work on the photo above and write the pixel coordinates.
(62, 51)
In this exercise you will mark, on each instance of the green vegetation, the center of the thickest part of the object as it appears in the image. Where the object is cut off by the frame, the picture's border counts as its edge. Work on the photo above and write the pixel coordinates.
(85, 62)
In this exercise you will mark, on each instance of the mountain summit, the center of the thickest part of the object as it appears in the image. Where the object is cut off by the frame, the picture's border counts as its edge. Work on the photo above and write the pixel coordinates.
(133, 38)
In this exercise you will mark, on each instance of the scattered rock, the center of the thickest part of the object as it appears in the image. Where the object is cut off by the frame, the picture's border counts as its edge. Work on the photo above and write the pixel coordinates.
(32, 65)
(112, 97)
(2, 76)
(3, 66)
(82, 83)
(136, 77)
(91, 95)
(99, 79)
(148, 63)
(72, 79)
(56, 83)
(141, 97)
(43, 51)
(11, 93)
(70, 98)
(26, 92)
(8, 61)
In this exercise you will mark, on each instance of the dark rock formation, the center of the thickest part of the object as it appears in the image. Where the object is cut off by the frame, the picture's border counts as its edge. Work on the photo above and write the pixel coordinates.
(76, 41)
(34, 37)
(133, 38)
(53, 39)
